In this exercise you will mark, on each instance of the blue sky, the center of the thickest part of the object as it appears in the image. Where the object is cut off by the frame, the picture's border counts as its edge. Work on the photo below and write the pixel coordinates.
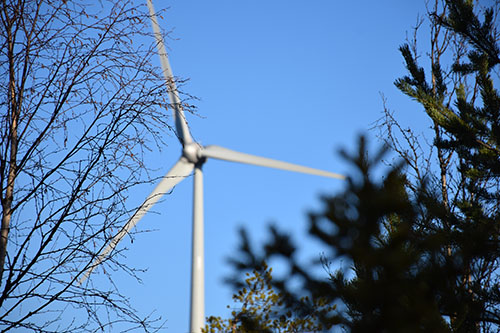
(291, 80)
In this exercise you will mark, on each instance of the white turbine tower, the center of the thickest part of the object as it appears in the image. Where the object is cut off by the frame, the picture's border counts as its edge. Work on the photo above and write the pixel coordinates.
(193, 157)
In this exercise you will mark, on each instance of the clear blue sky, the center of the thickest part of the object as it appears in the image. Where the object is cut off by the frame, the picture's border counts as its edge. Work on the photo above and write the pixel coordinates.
(292, 80)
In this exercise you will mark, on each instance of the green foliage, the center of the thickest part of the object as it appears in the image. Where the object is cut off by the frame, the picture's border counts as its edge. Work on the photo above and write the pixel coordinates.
(263, 309)
(463, 20)
(474, 129)
(399, 273)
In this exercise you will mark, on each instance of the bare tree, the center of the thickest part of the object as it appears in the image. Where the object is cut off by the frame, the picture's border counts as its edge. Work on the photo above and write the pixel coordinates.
(81, 103)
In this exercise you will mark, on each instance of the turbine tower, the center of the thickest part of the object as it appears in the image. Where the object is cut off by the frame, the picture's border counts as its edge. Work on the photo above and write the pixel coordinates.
(192, 159)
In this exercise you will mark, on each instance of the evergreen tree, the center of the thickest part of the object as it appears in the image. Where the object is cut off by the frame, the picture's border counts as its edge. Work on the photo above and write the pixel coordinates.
(424, 241)
(467, 133)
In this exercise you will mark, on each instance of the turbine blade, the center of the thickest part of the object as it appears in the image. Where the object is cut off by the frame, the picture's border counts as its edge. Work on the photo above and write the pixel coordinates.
(181, 126)
(234, 156)
(179, 171)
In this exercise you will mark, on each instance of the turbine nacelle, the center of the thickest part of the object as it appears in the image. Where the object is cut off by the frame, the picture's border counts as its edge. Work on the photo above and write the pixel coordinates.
(193, 153)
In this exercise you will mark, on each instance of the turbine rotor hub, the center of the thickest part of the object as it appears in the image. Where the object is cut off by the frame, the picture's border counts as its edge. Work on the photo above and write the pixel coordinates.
(192, 151)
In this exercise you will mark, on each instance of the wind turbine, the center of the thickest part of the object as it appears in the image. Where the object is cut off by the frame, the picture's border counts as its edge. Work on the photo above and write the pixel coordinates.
(192, 159)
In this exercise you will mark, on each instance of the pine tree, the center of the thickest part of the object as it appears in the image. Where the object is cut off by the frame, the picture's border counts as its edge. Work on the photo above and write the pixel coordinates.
(424, 241)
(468, 134)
